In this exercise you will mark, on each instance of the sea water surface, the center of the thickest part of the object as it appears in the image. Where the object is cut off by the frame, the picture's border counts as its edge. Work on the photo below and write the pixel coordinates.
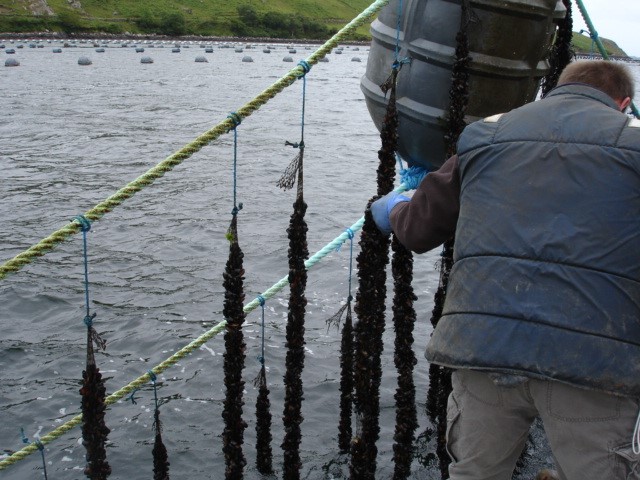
(70, 136)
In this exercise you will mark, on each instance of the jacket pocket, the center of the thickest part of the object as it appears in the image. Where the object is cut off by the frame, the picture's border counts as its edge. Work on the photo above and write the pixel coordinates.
(627, 463)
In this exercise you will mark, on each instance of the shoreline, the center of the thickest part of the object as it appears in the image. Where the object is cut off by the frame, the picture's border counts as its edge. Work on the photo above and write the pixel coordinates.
(166, 38)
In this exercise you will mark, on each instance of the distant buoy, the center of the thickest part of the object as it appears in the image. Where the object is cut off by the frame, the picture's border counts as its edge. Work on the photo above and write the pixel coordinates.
(11, 62)
(32, 45)
(338, 52)
(139, 50)
(208, 50)
(175, 50)
(239, 50)
(100, 50)
(84, 61)
(356, 49)
(355, 59)
(247, 59)
(287, 59)
(292, 50)
(201, 59)
(10, 50)
(266, 50)
(57, 50)
(146, 60)
(324, 59)
(249, 47)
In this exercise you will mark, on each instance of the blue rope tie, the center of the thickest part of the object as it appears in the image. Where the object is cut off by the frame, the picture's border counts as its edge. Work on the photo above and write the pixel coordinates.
(262, 301)
(236, 121)
(85, 225)
(351, 235)
(131, 398)
(397, 63)
(412, 177)
(40, 446)
(153, 378)
(305, 67)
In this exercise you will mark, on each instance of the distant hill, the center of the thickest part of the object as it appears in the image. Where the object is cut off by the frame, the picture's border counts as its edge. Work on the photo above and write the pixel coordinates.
(310, 19)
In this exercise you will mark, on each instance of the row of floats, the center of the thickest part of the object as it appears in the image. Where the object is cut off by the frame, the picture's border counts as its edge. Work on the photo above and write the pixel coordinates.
(84, 60)
(176, 48)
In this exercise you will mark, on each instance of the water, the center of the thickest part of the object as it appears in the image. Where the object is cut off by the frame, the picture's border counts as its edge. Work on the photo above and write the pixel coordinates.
(73, 135)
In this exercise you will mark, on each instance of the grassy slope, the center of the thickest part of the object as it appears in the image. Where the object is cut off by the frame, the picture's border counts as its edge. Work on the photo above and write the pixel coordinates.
(213, 17)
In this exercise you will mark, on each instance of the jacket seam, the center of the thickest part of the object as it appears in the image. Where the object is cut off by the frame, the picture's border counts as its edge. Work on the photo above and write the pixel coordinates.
(551, 262)
(542, 142)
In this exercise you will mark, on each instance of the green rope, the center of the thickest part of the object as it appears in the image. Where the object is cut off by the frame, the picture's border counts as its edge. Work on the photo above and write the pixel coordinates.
(128, 191)
(596, 39)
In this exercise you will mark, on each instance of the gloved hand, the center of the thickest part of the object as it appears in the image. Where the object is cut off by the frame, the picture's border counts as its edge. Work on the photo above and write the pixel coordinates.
(381, 209)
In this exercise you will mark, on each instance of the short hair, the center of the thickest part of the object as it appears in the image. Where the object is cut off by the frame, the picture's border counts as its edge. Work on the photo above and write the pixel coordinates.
(612, 78)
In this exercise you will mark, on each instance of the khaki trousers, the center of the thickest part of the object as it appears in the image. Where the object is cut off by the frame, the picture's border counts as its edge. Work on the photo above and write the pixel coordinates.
(487, 426)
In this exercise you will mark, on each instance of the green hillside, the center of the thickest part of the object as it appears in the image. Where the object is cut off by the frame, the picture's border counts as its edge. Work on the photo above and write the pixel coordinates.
(311, 19)
(271, 18)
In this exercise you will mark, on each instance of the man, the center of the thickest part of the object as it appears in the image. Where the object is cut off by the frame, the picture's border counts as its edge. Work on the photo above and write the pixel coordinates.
(542, 313)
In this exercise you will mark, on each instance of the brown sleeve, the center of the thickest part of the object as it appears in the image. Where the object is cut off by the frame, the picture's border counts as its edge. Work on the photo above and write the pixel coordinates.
(429, 218)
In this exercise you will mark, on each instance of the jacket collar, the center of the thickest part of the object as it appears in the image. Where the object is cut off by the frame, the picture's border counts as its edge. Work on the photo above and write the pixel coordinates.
(583, 90)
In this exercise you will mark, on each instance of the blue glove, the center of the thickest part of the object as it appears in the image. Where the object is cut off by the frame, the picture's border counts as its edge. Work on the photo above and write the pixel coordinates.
(381, 209)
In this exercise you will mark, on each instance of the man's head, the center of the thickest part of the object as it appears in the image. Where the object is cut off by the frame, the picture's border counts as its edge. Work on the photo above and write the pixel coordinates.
(612, 78)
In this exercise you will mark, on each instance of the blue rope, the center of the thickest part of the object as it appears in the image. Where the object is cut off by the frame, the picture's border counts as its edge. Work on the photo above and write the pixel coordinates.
(397, 62)
(412, 176)
(262, 301)
(304, 94)
(236, 121)
(351, 235)
(86, 226)
(40, 446)
(153, 378)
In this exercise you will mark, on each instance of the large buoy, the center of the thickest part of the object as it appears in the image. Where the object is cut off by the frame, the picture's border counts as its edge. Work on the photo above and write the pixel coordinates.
(146, 60)
(508, 42)
(201, 59)
(84, 61)
(11, 62)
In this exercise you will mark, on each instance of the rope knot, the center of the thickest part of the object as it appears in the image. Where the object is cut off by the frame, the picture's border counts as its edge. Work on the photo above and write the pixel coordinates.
(292, 144)
(88, 320)
(235, 118)
(260, 358)
(85, 224)
(261, 300)
(236, 209)
(132, 398)
(350, 234)
(152, 376)
(306, 68)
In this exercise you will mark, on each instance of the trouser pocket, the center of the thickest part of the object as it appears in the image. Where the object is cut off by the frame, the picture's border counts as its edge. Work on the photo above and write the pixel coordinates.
(626, 463)
(453, 417)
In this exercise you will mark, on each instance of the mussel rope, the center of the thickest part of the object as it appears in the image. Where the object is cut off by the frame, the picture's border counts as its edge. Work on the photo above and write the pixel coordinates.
(264, 454)
(93, 392)
(294, 362)
(234, 355)
(440, 377)
(561, 52)
(404, 317)
(370, 304)
(346, 360)
(159, 452)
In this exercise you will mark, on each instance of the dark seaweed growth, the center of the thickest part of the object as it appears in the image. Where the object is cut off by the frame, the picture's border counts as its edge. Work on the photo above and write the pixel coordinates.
(264, 456)
(346, 374)
(440, 377)
(160, 457)
(370, 305)
(404, 317)
(94, 429)
(298, 253)
(459, 91)
(234, 356)
(561, 52)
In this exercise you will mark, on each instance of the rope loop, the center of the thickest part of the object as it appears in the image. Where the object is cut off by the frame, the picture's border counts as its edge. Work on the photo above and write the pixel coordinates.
(235, 118)
(88, 320)
(350, 233)
(85, 224)
(412, 177)
(305, 67)
(398, 63)
(261, 300)
(236, 209)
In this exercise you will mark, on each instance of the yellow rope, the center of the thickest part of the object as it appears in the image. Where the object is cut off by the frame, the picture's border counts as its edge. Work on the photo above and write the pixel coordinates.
(97, 212)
